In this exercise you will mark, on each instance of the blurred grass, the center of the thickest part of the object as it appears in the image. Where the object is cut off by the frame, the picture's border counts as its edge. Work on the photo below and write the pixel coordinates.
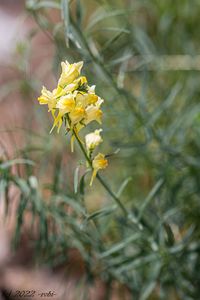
(153, 117)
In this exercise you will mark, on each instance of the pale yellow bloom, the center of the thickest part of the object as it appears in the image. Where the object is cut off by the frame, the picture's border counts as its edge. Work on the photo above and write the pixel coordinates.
(92, 99)
(77, 115)
(48, 98)
(93, 139)
(85, 99)
(75, 103)
(93, 113)
(70, 72)
(98, 163)
(75, 85)
(66, 104)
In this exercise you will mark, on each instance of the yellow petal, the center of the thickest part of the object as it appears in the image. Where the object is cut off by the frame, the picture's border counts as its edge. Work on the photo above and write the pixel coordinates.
(98, 163)
(66, 104)
(72, 143)
(70, 72)
(77, 115)
(48, 98)
(93, 113)
(57, 122)
(94, 174)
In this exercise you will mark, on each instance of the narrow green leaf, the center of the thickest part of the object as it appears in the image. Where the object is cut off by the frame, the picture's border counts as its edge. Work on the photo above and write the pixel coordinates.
(79, 12)
(69, 201)
(117, 29)
(138, 262)
(170, 234)
(110, 42)
(23, 185)
(148, 288)
(65, 13)
(76, 181)
(102, 212)
(20, 214)
(151, 195)
(165, 104)
(123, 186)
(47, 4)
(13, 162)
(120, 246)
(100, 15)
(82, 183)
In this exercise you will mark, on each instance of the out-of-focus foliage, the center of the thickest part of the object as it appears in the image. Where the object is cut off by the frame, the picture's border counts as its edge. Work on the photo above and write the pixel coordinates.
(153, 116)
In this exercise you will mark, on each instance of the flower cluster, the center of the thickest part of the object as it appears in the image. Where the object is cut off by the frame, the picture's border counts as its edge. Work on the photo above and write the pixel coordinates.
(75, 104)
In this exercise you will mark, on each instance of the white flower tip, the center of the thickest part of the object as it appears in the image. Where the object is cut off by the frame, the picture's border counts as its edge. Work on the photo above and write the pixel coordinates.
(92, 88)
(79, 65)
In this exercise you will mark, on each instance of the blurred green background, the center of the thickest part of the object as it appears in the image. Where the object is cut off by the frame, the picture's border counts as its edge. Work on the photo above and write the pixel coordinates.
(143, 57)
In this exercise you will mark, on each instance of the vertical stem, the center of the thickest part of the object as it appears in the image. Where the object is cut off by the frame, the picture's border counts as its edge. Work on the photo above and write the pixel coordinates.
(82, 148)
(101, 180)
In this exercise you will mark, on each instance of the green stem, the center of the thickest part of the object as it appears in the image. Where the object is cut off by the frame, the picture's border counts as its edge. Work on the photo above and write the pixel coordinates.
(101, 180)
(117, 200)
(82, 148)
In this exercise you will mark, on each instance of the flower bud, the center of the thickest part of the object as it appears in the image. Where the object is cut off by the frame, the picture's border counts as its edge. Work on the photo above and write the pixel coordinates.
(93, 139)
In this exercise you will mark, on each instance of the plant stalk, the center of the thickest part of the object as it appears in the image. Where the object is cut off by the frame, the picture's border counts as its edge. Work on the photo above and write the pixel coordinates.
(101, 180)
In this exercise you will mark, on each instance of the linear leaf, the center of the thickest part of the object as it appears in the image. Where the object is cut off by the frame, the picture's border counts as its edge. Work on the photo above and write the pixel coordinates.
(65, 13)
(76, 181)
(150, 196)
(13, 162)
(120, 246)
(123, 186)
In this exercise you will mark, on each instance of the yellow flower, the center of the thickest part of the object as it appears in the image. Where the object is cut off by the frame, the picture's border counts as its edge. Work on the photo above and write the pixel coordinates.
(75, 84)
(66, 104)
(93, 113)
(98, 163)
(92, 98)
(75, 103)
(76, 115)
(93, 139)
(70, 72)
(48, 98)
(85, 99)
